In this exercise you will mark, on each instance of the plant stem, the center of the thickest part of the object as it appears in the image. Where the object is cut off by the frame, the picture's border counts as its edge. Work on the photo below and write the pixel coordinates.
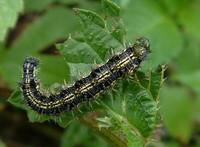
(114, 139)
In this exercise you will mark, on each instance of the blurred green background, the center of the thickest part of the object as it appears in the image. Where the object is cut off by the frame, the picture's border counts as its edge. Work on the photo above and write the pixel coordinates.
(33, 27)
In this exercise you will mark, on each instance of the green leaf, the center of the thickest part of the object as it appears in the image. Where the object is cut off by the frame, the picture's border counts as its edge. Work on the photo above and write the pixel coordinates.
(119, 31)
(9, 11)
(110, 8)
(62, 120)
(42, 33)
(122, 3)
(88, 17)
(85, 53)
(77, 134)
(113, 21)
(152, 81)
(35, 117)
(171, 143)
(80, 70)
(177, 109)
(155, 83)
(17, 100)
(142, 110)
(48, 74)
(119, 123)
(95, 33)
(133, 108)
(145, 18)
(133, 139)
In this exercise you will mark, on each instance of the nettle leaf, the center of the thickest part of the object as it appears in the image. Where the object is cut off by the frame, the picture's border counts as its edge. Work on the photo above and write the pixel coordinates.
(9, 11)
(47, 73)
(71, 47)
(95, 33)
(133, 106)
(110, 8)
(112, 15)
(144, 110)
(152, 81)
(114, 21)
(155, 83)
(120, 125)
(17, 99)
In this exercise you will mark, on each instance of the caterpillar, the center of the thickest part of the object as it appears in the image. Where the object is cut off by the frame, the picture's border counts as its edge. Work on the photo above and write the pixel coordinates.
(85, 89)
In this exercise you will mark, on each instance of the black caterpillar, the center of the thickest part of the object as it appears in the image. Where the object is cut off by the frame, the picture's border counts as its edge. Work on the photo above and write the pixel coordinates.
(85, 89)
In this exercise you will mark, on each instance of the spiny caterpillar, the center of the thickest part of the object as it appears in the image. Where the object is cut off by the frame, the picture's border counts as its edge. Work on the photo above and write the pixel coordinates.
(85, 89)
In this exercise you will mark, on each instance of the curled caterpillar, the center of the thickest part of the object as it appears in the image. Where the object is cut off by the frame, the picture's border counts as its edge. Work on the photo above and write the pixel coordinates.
(85, 89)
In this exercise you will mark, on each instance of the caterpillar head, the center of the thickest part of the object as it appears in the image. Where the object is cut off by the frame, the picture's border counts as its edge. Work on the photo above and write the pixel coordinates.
(142, 48)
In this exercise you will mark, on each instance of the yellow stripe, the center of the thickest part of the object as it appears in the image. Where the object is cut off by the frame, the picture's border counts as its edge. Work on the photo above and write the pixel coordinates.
(83, 89)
